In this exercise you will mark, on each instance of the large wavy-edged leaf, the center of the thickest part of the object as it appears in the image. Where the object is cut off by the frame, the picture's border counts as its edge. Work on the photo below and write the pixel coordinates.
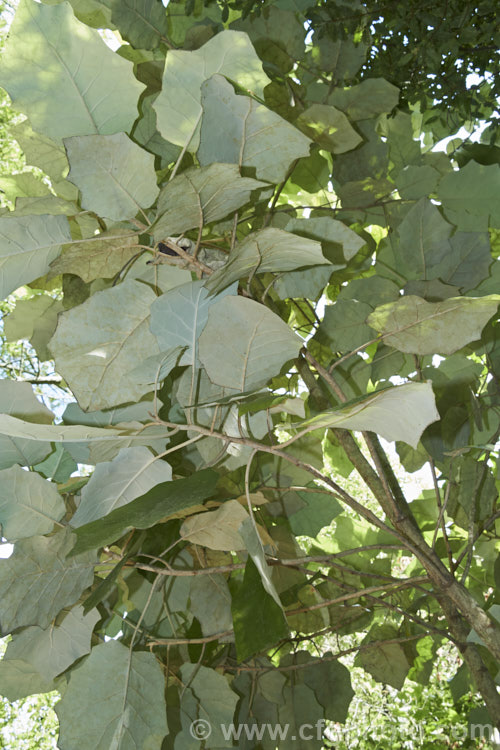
(411, 324)
(208, 695)
(100, 257)
(34, 657)
(400, 413)
(114, 699)
(238, 130)
(217, 529)
(329, 127)
(38, 580)
(52, 57)
(27, 443)
(27, 246)
(244, 344)
(41, 151)
(179, 104)
(258, 621)
(116, 177)
(267, 250)
(200, 196)
(179, 316)
(29, 504)
(339, 242)
(468, 196)
(132, 473)
(34, 319)
(98, 343)
(17, 399)
(143, 23)
(161, 501)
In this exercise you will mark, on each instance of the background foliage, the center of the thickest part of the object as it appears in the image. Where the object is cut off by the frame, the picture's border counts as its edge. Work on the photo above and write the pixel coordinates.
(233, 242)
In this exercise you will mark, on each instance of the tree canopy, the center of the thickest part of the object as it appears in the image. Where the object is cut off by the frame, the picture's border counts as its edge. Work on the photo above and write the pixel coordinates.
(256, 277)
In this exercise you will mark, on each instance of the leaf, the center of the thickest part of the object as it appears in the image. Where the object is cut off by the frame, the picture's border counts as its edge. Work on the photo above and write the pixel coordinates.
(468, 260)
(116, 177)
(22, 185)
(254, 346)
(99, 342)
(49, 156)
(331, 683)
(255, 549)
(370, 98)
(160, 502)
(38, 580)
(43, 654)
(34, 319)
(468, 196)
(318, 511)
(155, 369)
(27, 246)
(29, 444)
(58, 466)
(210, 603)
(178, 106)
(29, 505)
(333, 235)
(387, 663)
(257, 620)
(302, 714)
(143, 23)
(266, 250)
(207, 696)
(238, 130)
(52, 57)
(217, 529)
(400, 413)
(413, 325)
(179, 316)
(19, 400)
(101, 256)
(113, 484)
(416, 182)
(123, 693)
(200, 196)
(329, 127)
(344, 327)
(423, 236)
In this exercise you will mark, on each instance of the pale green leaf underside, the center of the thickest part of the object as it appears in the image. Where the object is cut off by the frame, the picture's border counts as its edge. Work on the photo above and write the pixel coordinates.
(49, 652)
(114, 700)
(29, 504)
(142, 22)
(116, 177)
(17, 399)
(329, 127)
(238, 129)
(52, 57)
(255, 549)
(37, 581)
(255, 344)
(98, 257)
(99, 342)
(179, 104)
(199, 196)
(179, 316)
(267, 250)
(28, 244)
(411, 324)
(400, 413)
(217, 529)
(113, 484)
